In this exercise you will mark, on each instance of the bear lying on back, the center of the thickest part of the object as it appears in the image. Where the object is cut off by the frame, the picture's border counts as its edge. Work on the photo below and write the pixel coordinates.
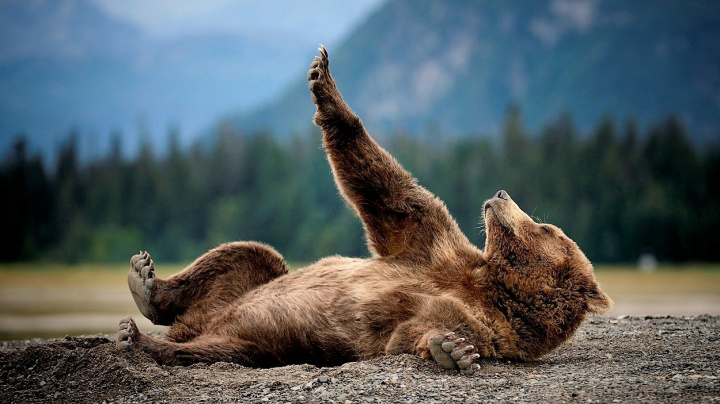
(426, 290)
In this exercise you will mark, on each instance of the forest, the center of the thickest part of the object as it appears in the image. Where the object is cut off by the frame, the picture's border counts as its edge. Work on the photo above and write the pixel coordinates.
(618, 191)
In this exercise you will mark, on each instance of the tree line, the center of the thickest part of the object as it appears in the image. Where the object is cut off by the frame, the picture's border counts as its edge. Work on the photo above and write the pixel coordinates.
(617, 192)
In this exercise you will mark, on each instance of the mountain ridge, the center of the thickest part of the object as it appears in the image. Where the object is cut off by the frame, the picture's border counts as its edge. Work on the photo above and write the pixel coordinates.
(454, 67)
(68, 66)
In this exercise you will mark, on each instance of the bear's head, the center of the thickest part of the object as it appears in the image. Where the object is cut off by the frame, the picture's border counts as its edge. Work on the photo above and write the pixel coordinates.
(540, 270)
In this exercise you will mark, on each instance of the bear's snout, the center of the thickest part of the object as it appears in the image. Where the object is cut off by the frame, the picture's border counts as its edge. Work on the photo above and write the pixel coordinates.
(502, 194)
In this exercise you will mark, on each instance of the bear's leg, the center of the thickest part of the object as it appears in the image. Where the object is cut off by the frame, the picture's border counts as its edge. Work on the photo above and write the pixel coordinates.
(401, 218)
(445, 333)
(217, 278)
(207, 348)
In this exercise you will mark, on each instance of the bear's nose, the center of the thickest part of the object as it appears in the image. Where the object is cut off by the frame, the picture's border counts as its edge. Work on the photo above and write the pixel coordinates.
(502, 195)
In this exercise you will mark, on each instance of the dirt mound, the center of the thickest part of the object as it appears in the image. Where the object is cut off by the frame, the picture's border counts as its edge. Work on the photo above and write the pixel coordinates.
(653, 359)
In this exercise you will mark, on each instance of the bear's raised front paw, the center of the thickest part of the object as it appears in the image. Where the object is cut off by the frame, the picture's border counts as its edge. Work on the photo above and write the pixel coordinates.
(319, 79)
(141, 280)
(127, 334)
(453, 352)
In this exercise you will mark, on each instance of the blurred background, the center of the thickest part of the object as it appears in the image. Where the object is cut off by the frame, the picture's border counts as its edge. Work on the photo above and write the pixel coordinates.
(173, 126)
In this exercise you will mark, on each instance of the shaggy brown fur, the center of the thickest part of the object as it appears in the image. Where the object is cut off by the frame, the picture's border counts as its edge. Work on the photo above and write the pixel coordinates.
(426, 289)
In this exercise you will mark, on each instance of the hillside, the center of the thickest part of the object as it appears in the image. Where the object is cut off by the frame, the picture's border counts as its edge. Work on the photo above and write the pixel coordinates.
(68, 64)
(454, 67)
(425, 66)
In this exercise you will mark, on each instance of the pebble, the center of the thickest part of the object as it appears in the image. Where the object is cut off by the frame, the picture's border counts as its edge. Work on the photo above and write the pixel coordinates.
(323, 379)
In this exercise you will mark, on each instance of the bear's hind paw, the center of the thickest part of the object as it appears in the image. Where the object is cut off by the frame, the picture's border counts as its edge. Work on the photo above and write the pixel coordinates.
(127, 334)
(141, 281)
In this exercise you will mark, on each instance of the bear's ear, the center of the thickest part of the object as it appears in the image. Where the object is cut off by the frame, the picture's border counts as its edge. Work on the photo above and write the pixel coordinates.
(597, 300)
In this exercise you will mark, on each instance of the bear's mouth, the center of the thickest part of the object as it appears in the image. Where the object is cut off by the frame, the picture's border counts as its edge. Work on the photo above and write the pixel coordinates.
(491, 215)
(488, 209)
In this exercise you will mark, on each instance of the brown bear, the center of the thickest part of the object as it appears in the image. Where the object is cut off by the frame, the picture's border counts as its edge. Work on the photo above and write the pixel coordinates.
(425, 290)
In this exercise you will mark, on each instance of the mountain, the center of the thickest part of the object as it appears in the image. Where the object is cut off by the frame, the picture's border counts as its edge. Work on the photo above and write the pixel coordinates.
(66, 64)
(449, 68)
(73, 29)
(453, 67)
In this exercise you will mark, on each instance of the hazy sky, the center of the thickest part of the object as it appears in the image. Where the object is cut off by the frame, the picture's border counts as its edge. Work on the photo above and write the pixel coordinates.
(171, 18)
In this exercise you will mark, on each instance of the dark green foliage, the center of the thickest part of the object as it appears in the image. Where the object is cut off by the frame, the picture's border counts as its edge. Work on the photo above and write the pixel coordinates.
(617, 193)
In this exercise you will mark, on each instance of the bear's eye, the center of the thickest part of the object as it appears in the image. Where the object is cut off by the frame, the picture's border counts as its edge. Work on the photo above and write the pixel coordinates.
(546, 229)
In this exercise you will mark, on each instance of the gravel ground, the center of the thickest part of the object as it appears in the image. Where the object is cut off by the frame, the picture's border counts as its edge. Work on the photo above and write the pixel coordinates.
(631, 359)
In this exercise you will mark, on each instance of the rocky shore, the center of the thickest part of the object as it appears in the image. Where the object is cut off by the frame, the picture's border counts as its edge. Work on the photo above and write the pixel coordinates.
(626, 359)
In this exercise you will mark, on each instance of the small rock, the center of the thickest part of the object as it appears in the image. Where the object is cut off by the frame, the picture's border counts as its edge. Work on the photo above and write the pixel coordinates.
(323, 379)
